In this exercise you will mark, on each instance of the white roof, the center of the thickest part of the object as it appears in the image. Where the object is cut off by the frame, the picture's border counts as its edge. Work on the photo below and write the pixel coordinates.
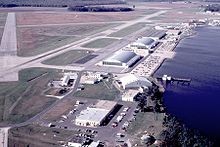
(145, 41)
(92, 114)
(128, 79)
(97, 112)
(121, 56)
(94, 144)
(132, 78)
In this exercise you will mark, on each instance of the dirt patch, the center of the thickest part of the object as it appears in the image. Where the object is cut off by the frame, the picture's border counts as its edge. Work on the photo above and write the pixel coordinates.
(61, 108)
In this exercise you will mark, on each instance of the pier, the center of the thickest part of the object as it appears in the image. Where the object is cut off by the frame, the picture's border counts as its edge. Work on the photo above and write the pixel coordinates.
(170, 79)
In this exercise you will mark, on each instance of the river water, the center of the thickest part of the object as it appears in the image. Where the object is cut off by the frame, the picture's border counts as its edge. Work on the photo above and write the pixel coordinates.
(198, 58)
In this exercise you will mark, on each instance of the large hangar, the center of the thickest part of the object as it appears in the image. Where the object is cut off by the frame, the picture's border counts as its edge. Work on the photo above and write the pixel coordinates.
(93, 116)
(131, 81)
(144, 43)
(122, 59)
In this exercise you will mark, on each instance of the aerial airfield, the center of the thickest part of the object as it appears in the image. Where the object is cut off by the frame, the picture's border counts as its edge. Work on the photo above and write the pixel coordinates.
(79, 78)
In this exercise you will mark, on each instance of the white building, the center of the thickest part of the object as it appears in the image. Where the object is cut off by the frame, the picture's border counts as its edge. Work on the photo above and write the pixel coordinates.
(65, 80)
(91, 78)
(67, 77)
(94, 144)
(121, 58)
(73, 144)
(131, 81)
(144, 43)
(129, 95)
(94, 116)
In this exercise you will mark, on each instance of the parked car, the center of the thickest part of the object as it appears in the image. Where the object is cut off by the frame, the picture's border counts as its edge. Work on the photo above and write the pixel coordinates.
(114, 124)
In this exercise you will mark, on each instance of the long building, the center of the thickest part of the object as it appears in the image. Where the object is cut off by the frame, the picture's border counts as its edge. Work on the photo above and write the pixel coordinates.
(131, 81)
(94, 116)
(144, 43)
(121, 58)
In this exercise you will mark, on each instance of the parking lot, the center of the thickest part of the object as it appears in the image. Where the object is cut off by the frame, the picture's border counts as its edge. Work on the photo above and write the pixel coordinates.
(106, 132)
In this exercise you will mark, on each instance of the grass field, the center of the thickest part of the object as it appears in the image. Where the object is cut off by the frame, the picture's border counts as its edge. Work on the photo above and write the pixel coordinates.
(3, 17)
(36, 43)
(103, 90)
(128, 30)
(36, 40)
(70, 30)
(99, 43)
(67, 57)
(148, 121)
(37, 136)
(18, 97)
(73, 17)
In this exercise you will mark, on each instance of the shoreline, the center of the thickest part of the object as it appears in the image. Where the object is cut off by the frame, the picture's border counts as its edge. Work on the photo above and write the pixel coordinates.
(178, 123)
(192, 33)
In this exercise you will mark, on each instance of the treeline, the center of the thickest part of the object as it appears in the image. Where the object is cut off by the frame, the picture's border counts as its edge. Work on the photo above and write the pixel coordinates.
(213, 8)
(99, 9)
(56, 3)
(178, 135)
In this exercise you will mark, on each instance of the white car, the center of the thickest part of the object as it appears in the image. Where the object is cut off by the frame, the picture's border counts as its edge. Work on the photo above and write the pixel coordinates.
(125, 109)
(123, 114)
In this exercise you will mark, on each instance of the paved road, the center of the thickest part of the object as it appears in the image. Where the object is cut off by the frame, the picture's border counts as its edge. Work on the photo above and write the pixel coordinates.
(4, 137)
(9, 39)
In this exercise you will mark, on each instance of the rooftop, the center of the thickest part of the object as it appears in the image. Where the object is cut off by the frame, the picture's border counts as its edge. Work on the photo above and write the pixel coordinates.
(97, 112)
(130, 93)
(121, 56)
(145, 41)
(92, 114)
(133, 78)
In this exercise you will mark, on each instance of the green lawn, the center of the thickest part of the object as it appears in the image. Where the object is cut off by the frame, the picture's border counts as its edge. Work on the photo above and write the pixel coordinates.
(144, 121)
(99, 43)
(18, 97)
(128, 30)
(37, 40)
(103, 90)
(67, 57)
(42, 43)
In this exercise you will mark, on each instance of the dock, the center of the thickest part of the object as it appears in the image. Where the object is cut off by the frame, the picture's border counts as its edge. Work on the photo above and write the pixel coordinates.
(173, 79)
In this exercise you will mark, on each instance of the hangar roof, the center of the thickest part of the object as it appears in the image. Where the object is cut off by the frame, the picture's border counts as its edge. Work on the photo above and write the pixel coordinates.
(130, 78)
(121, 56)
(145, 41)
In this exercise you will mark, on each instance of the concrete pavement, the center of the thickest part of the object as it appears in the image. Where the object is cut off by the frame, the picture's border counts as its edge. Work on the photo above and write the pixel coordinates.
(9, 39)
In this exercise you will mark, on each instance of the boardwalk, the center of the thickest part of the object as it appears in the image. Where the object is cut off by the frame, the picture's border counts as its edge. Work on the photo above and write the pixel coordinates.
(9, 41)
